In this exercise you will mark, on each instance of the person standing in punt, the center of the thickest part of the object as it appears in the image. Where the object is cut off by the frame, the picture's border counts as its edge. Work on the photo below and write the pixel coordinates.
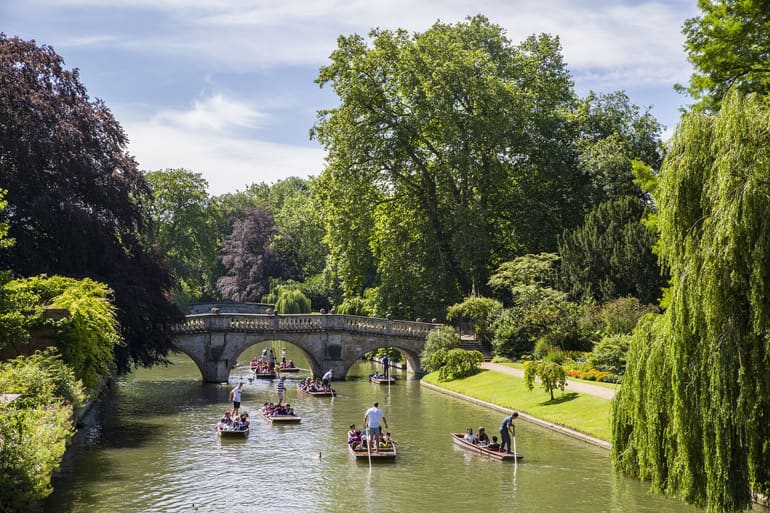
(326, 379)
(235, 397)
(281, 388)
(372, 419)
(507, 429)
(385, 366)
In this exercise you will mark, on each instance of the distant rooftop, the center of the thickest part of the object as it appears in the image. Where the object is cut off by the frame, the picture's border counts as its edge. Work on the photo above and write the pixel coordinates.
(8, 398)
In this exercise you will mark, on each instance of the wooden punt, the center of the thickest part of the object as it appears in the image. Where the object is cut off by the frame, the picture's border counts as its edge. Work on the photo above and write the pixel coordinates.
(265, 375)
(319, 393)
(459, 440)
(289, 369)
(224, 433)
(384, 454)
(282, 419)
(381, 380)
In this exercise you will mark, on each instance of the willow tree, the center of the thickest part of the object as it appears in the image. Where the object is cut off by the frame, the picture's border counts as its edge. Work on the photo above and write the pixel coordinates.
(449, 153)
(693, 415)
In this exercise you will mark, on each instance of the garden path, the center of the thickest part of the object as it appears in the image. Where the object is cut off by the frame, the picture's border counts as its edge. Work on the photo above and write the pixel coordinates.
(573, 385)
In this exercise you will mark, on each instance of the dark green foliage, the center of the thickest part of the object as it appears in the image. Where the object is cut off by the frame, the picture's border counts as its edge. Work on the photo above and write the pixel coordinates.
(692, 413)
(610, 255)
(75, 196)
(727, 44)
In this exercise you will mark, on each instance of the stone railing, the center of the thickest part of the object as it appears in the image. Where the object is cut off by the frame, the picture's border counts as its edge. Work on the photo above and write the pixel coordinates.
(259, 323)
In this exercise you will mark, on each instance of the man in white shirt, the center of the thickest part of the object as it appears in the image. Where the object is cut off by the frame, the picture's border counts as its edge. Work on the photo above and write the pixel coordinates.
(327, 378)
(372, 419)
(235, 397)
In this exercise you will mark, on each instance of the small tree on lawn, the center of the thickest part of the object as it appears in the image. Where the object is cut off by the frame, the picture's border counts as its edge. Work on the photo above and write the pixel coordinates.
(550, 372)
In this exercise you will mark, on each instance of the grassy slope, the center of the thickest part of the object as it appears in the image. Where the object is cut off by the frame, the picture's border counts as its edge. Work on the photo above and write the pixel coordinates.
(581, 412)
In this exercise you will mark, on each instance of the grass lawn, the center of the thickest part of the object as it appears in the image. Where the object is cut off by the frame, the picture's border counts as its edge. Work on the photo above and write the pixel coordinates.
(613, 386)
(580, 412)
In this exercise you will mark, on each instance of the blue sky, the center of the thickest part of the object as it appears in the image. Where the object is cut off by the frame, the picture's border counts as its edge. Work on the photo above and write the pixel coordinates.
(225, 87)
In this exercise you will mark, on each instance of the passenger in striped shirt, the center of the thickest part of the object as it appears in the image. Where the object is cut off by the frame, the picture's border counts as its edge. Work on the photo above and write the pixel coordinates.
(281, 387)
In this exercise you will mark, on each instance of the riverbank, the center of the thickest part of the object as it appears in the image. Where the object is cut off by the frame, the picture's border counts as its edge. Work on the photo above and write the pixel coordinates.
(576, 414)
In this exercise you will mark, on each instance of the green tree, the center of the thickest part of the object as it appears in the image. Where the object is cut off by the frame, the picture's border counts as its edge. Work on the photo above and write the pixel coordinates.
(613, 133)
(610, 255)
(692, 413)
(549, 371)
(75, 196)
(727, 45)
(481, 310)
(182, 227)
(448, 148)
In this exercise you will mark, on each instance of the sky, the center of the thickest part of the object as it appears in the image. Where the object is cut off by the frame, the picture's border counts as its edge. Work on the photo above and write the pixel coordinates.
(226, 88)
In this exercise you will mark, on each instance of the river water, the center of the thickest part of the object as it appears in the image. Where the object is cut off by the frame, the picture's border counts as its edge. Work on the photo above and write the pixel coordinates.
(154, 449)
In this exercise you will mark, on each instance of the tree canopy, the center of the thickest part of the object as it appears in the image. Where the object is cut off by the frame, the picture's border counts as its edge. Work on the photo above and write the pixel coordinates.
(75, 195)
(728, 46)
(454, 150)
(692, 413)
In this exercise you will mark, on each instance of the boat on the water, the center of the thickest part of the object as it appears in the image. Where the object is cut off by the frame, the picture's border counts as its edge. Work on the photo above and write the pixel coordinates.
(233, 433)
(381, 379)
(383, 454)
(316, 391)
(289, 369)
(460, 441)
(265, 375)
(282, 418)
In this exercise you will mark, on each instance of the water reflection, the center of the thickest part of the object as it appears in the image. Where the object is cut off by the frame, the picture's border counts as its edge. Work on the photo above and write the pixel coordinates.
(155, 449)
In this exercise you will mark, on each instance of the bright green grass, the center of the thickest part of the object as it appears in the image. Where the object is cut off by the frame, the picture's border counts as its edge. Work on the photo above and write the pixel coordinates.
(581, 412)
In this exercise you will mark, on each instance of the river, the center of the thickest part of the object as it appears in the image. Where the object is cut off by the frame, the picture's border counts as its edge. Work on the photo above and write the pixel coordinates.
(153, 448)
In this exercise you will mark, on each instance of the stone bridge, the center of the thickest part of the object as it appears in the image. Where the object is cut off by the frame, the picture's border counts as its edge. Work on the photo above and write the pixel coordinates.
(215, 340)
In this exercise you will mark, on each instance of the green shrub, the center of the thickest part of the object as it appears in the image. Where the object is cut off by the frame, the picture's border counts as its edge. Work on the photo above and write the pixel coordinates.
(439, 342)
(292, 301)
(459, 363)
(36, 428)
(609, 355)
(620, 316)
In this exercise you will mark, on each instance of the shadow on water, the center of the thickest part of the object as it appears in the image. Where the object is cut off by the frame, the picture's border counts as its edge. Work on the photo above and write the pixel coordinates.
(564, 398)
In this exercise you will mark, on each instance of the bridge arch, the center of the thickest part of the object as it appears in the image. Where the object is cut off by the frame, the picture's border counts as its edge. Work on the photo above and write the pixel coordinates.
(214, 340)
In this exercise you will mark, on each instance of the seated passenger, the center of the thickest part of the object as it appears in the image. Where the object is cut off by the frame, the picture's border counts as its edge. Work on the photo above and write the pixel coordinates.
(494, 446)
(244, 424)
(481, 437)
(469, 436)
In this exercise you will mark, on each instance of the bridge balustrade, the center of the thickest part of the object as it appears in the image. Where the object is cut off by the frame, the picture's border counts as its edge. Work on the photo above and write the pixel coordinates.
(258, 323)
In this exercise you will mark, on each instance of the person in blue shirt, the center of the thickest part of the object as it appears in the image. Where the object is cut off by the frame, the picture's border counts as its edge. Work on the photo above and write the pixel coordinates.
(385, 365)
(507, 429)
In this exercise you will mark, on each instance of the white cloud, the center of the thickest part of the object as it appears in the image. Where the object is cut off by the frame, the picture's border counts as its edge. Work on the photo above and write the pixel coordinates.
(215, 113)
(205, 141)
(248, 35)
